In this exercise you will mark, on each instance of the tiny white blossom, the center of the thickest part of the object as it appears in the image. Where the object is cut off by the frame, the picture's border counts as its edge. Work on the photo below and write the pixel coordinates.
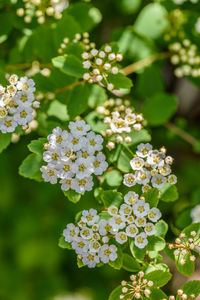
(49, 174)
(121, 237)
(108, 253)
(131, 197)
(141, 208)
(154, 214)
(90, 217)
(150, 229)
(141, 240)
(131, 230)
(71, 232)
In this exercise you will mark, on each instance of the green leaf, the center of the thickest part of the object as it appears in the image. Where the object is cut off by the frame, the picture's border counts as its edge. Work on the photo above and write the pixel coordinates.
(97, 96)
(187, 268)
(113, 178)
(159, 108)
(123, 162)
(63, 244)
(120, 81)
(152, 197)
(5, 139)
(130, 264)
(139, 137)
(72, 196)
(152, 21)
(37, 146)
(170, 194)
(129, 6)
(78, 100)
(160, 278)
(157, 294)
(58, 110)
(115, 294)
(145, 84)
(69, 64)
(136, 252)
(80, 263)
(30, 167)
(117, 264)
(191, 287)
(161, 228)
(110, 198)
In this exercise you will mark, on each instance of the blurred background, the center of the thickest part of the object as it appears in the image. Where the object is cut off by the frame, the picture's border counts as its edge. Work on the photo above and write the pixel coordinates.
(33, 215)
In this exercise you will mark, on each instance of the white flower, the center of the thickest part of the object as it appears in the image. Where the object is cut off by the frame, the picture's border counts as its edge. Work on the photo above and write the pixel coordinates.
(158, 181)
(60, 5)
(86, 233)
(99, 164)
(150, 229)
(195, 214)
(131, 230)
(83, 167)
(131, 197)
(65, 169)
(137, 163)
(129, 179)
(90, 217)
(24, 98)
(71, 232)
(121, 237)
(155, 158)
(79, 128)
(80, 245)
(141, 208)
(23, 115)
(143, 149)
(125, 210)
(165, 170)
(26, 84)
(86, 64)
(90, 259)
(104, 227)
(7, 124)
(49, 174)
(66, 184)
(94, 142)
(82, 185)
(141, 240)
(117, 222)
(108, 253)
(52, 156)
(142, 176)
(172, 179)
(94, 246)
(113, 210)
(76, 143)
(140, 221)
(154, 214)
(58, 137)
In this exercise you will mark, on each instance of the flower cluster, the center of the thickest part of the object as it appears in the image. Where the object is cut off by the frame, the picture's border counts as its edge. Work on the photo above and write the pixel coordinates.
(150, 167)
(182, 296)
(17, 103)
(73, 157)
(175, 30)
(184, 246)
(195, 214)
(186, 58)
(101, 63)
(121, 119)
(42, 9)
(90, 239)
(82, 38)
(138, 288)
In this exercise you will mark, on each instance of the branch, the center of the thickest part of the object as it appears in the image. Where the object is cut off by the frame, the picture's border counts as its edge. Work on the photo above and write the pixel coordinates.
(26, 66)
(181, 133)
(145, 62)
(69, 87)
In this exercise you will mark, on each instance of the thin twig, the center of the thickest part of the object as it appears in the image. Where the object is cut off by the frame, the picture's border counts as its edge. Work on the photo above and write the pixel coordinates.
(26, 66)
(145, 62)
(69, 87)
(181, 133)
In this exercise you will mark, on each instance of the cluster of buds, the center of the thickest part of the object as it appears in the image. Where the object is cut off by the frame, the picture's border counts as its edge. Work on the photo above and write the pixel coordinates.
(40, 9)
(182, 296)
(186, 59)
(184, 246)
(121, 119)
(137, 288)
(36, 68)
(82, 38)
(176, 20)
(101, 63)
